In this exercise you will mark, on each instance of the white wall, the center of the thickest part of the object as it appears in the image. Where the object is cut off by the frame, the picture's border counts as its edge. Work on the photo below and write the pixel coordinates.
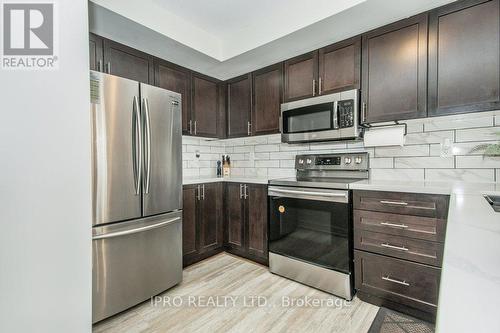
(45, 215)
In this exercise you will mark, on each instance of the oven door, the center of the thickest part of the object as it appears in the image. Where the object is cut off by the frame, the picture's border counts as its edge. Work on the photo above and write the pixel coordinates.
(311, 225)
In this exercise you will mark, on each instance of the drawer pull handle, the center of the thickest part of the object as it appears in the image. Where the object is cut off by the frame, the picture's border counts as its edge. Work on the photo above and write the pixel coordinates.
(394, 225)
(401, 248)
(397, 203)
(387, 278)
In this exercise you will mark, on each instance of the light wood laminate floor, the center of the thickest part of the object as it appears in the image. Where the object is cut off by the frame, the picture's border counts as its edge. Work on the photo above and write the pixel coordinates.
(225, 275)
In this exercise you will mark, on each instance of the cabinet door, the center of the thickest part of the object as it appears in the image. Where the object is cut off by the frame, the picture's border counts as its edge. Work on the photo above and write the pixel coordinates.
(171, 77)
(239, 106)
(235, 217)
(127, 62)
(256, 205)
(189, 224)
(395, 71)
(95, 52)
(339, 66)
(205, 106)
(301, 76)
(210, 217)
(267, 97)
(464, 58)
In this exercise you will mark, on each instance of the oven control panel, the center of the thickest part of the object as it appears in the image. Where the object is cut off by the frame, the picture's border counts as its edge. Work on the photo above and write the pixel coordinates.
(346, 113)
(353, 161)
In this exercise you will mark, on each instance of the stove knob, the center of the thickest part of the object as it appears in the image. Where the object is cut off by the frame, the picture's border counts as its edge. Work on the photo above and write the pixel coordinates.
(301, 161)
(347, 160)
(358, 160)
(309, 161)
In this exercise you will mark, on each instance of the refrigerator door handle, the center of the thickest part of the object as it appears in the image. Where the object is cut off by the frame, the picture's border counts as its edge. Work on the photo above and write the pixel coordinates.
(147, 147)
(137, 230)
(137, 145)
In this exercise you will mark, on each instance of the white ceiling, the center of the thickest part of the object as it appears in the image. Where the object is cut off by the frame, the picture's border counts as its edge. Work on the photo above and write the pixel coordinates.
(223, 29)
(225, 38)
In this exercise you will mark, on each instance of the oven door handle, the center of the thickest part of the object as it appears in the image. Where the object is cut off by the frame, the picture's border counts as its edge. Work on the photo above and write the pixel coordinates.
(329, 196)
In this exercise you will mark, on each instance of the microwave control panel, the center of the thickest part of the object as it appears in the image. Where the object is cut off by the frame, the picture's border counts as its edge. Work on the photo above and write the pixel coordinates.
(346, 113)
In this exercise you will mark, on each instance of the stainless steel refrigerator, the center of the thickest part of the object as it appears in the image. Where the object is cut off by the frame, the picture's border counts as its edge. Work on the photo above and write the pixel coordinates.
(137, 192)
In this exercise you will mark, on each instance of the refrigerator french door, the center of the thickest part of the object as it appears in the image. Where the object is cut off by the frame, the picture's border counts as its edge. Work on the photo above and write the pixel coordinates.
(137, 192)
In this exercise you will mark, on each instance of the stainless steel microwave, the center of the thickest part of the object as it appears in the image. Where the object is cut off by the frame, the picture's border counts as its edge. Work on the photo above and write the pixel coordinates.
(323, 118)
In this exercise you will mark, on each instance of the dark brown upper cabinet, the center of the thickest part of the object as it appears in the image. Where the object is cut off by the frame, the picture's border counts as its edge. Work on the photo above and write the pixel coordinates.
(205, 108)
(239, 106)
(96, 45)
(172, 77)
(267, 98)
(127, 62)
(301, 76)
(464, 58)
(394, 74)
(339, 66)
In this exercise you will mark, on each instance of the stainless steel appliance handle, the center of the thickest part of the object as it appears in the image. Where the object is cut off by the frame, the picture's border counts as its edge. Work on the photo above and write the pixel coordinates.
(203, 193)
(397, 203)
(246, 191)
(322, 194)
(249, 128)
(137, 146)
(198, 195)
(314, 87)
(195, 129)
(387, 245)
(320, 86)
(363, 112)
(148, 144)
(190, 126)
(388, 278)
(134, 231)
(394, 225)
(336, 115)
(241, 191)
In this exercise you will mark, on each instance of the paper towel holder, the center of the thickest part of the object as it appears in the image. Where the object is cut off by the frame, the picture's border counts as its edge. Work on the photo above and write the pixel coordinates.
(396, 123)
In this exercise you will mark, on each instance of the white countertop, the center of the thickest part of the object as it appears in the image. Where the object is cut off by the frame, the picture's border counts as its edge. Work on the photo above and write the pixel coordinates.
(200, 180)
(469, 298)
(430, 187)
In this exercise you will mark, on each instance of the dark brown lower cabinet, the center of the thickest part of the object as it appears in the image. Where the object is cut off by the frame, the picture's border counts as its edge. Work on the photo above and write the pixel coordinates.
(398, 250)
(202, 221)
(245, 232)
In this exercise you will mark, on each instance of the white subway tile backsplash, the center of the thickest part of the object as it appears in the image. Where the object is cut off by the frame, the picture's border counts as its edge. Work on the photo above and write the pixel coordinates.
(397, 174)
(405, 151)
(381, 163)
(429, 137)
(424, 162)
(265, 148)
(267, 164)
(287, 163)
(477, 162)
(478, 134)
(422, 157)
(457, 122)
(466, 175)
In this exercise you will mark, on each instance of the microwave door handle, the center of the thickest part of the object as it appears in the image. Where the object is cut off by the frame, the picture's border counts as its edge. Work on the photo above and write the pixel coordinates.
(335, 115)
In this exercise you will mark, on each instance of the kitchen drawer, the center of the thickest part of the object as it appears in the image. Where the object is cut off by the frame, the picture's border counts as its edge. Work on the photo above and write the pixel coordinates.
(421, 251)
(426, 228)
(417, 204)
(400, 281)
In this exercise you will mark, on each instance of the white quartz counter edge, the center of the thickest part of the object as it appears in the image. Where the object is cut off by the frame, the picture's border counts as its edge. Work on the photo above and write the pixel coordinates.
(425, 187)
(250, 180)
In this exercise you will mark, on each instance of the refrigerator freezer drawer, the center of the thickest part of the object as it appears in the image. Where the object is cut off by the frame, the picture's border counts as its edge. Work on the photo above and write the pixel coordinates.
(133, 261)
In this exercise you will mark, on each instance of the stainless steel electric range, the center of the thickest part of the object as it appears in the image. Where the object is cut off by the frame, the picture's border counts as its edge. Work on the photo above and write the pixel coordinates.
(310, 221)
